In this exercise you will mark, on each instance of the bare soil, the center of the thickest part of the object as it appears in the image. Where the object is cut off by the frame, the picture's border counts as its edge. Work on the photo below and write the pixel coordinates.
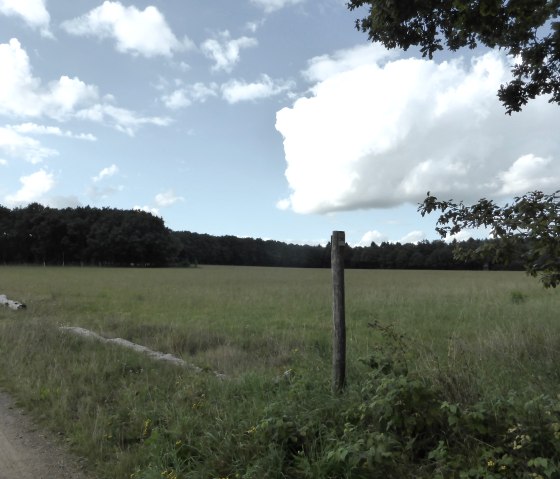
(27, 452)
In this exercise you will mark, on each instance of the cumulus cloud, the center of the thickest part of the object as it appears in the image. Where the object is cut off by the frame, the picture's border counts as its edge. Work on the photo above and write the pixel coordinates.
(189, 94)
(373, 236)
(225, 51)
(167, 198)
(413, 237)
(23, 95)
(235, 91)
(33, 12)
(272, 5)
(106, 172)
(33, 187)
(324, 67)
(384, 132)
(16, 145)
(139, 32)
(527, 173)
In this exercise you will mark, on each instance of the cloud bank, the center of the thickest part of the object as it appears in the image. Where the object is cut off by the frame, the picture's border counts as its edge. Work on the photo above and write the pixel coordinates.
(25, 96)
(378, 131)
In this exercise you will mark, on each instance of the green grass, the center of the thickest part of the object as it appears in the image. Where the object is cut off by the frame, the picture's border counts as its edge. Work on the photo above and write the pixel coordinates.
(473, 334)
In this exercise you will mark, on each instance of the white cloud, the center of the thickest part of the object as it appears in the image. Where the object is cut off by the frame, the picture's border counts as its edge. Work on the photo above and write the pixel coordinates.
(235, 91)
(530, 172)
(413, 237)
(383, 134)
(19, 91)
(189, 94)
(225, 52)
(33, 12)
(273, 5)
(467, 234)
(23, 147)
(283, 204)
(167, 198)
(34, 186)
(325, 66)
(147, 209)
(3, 162)
(373, 236)
(124, 120)
(59, 202)
(106, 173)
(377, 237)
(23, 95)
(140, 32)
(35, 129)
(66, 95)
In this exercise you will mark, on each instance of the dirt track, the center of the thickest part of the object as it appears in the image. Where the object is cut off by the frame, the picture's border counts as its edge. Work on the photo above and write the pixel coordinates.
(29, 453)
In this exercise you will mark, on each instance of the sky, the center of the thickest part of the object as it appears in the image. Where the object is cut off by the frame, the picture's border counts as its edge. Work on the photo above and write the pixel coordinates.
(271, 119)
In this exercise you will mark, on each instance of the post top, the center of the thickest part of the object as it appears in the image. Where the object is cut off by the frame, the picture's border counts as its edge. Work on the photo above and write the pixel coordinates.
(338, 238)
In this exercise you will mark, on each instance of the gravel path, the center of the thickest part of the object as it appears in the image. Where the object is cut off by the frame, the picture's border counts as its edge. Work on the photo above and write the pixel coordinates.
(26, 452)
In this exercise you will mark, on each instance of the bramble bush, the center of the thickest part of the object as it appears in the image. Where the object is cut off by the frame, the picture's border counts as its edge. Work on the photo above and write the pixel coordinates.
(399, 424)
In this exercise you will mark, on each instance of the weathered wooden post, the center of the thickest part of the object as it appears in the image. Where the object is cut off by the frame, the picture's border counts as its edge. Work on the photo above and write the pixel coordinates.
(339, 323)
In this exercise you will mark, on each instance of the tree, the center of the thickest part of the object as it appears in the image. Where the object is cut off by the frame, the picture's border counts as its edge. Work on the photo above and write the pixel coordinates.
(526, 29)
(529, 226)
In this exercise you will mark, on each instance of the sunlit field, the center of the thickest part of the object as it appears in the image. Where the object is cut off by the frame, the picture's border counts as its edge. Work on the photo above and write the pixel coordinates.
(496, 331)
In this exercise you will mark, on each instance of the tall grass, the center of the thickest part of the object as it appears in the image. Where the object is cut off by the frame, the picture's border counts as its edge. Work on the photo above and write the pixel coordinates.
(468, 332)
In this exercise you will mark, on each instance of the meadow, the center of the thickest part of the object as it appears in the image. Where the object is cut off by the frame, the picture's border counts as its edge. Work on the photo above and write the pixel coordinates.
(468, 349)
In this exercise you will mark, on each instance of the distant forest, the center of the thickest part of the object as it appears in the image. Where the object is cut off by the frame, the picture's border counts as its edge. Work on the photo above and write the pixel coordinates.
(37, 234)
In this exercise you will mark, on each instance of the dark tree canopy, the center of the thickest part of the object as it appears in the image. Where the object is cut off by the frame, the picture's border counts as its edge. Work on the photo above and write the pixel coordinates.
(38, 234)
(529, 227)
(528, 29)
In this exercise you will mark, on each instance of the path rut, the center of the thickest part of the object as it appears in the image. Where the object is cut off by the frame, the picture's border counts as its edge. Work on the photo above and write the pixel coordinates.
(26, 452)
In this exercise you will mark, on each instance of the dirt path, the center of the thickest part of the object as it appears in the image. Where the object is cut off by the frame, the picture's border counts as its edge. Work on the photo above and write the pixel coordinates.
(29, 453)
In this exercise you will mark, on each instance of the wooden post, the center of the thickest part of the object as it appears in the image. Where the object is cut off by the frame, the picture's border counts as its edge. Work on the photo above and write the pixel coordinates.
(339, 327)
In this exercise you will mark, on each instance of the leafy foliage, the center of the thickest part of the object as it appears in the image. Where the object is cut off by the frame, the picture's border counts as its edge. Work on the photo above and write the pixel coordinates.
(530, 225)
(526, 29)
(400, 424)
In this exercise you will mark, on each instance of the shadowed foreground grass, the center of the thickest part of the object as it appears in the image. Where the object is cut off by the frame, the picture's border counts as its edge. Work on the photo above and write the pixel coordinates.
(472, 336)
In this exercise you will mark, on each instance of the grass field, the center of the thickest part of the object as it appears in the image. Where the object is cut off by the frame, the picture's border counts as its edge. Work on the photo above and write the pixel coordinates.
(472, 334)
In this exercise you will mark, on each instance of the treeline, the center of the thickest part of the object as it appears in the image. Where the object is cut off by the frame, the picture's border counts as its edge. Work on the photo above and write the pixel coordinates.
(110, 237)
(41, 235)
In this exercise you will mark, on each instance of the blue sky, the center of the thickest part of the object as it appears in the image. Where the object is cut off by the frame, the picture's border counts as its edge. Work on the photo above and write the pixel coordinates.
(264, 118)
